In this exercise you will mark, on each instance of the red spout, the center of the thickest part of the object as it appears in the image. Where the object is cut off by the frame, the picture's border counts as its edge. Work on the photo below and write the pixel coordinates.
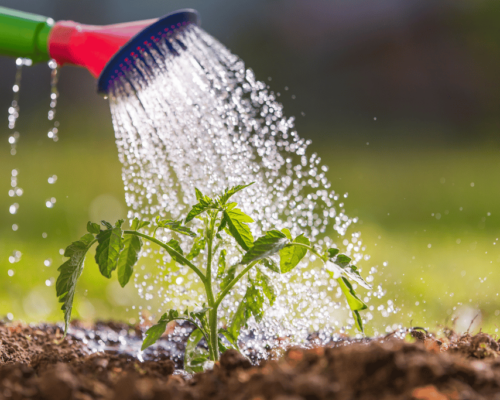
(90, 46)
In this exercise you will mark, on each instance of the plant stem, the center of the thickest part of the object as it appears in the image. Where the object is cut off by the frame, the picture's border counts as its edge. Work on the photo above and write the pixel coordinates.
(233, 282)
(212, 314)
(172, 250)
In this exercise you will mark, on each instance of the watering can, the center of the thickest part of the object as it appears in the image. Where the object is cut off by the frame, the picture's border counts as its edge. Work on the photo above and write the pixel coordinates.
(106, 51)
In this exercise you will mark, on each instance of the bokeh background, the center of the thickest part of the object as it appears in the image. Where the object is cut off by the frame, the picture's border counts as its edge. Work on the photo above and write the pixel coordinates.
(400, 97)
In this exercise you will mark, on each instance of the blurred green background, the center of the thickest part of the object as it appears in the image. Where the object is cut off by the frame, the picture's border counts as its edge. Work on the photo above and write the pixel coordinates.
(400, 98)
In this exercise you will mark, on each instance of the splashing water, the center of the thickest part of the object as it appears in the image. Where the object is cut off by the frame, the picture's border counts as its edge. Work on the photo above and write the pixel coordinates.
(200, 119)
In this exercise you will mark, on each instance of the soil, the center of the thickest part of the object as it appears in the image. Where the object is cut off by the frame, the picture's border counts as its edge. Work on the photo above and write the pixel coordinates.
(35, 363)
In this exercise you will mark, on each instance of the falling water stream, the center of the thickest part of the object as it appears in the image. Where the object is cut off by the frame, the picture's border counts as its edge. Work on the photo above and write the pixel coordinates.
(201, 119)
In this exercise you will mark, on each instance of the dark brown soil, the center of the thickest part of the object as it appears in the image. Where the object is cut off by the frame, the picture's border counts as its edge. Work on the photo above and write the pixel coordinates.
(36, 364)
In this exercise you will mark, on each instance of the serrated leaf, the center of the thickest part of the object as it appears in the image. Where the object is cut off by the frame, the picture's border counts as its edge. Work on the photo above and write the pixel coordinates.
(286, 231)
(342, 260)
(239, 320)
(222, 200)
(204, 203)
(255, 300)
(93, 228)
(265, 246)
(157, 330)
(174, 244)
(291, 255)
(107, 225)
(231, 272)
(69, 273)
(237, 222)
(221, 264)
(175, 226)
(79, 245)
(267, 287)
(198, 245)
(109, 248)
(128, 258)
(270, 264)
(138, 224)
(198, 193)
(332, 252)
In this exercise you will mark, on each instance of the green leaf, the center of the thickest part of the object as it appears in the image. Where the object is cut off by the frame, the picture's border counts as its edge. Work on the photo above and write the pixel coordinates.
(69, 273)
(204, 203)
(255, 300)
(291, 255)
(286, 231)
(109, 248)
(354, 302)
(265, 246)
(198, 245)
(237, 223)
(107, 225)
(79, 245)
(200, 315)
(199, 195)
(138, 224)
(128, 258)
(239, 320)
(175, 226)
(174, 244)
(358, 321)
(332, 252)
(269, 263)
(221, 264)
(223, 224)
(222, 200)
(194, 357)
(156, 331)
(230, 338)
(267, 287)
(341, 266)
(231, 272)
(93, 228)
(352, 273)
(342, 260)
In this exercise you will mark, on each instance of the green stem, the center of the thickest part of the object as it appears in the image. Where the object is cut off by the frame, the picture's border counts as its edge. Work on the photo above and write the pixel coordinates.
(212, 314)
(234, 282)
(170, 249)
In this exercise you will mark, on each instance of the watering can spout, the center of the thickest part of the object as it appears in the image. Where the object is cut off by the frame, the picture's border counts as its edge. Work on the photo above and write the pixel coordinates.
(90, 46)
(100, 49)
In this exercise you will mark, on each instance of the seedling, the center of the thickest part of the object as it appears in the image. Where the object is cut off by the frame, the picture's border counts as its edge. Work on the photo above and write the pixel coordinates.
(119, 249)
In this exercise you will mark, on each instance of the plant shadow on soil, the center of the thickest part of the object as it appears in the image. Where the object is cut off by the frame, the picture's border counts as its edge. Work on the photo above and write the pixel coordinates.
(35, 363)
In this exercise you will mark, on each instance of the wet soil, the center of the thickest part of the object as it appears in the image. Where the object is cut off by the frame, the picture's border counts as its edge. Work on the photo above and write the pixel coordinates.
(35, 363)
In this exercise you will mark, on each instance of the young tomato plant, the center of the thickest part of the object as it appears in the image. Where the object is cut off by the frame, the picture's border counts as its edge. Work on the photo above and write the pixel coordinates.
(119, 249)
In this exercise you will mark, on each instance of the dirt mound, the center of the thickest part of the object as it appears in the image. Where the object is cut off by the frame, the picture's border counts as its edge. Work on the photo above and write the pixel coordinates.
(34, 364)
